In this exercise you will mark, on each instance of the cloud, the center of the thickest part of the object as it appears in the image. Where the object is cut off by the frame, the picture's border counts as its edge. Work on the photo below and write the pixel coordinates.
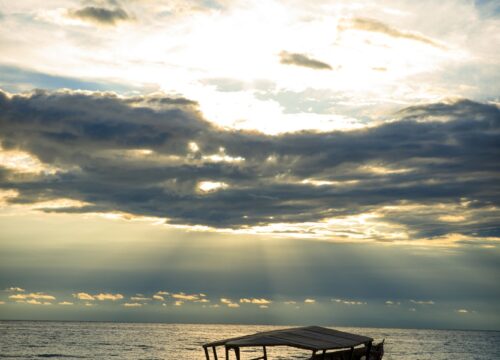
(372, 25)
(261, 301)
(34, 302)
(140, 298)
(15, 289)
(83, 296)
(398, 181)
(302, 60)
(229, 303)
(36, 296)
(392, 303)
(349, 302)
(133, 305)
(101, 15)
(309, 301)
(421, 302)
(462, 311)
(107, 296)
(66, 303)
(100, 297)
(2, 302)
(186, 297)
(158, 297)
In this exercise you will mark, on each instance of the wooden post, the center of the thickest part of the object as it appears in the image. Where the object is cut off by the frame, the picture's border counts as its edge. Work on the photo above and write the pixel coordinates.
(215, 352)
(368, 349)
(265, 353)
(237, 353)
(206, 353)
(324, 355)
(351, 357)
(227, 352)
(314, 354)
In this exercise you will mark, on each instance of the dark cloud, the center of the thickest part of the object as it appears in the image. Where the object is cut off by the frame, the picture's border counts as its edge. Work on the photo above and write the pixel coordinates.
(373, 25)
(432, 155)
(101, 15)
(303, 60)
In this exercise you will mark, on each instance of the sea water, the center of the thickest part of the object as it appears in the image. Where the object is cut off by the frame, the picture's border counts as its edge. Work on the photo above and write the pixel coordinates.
(94, 340)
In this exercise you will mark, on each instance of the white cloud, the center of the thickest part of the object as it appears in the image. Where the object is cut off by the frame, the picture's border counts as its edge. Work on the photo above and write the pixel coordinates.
(309, 301)
(211, 186)
(133, 305)
(83, 296)
(422, 302)
(186, 297)
(139, 298)
(256, 301)
(36, 302)
(349, 302)
(36, 296)
(392, 303)
(158, 297)
(15, 289)
(66, 303)
(107, 296)
(230, 303)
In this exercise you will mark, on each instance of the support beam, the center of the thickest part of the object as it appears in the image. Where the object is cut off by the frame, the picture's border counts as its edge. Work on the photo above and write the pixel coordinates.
(215, 352)
(368, 350)
(237, 353)
(227, 352)
(265, 353)
(206, 353)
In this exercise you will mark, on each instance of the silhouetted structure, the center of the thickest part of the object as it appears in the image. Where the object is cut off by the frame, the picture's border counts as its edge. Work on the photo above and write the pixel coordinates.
(324, 343)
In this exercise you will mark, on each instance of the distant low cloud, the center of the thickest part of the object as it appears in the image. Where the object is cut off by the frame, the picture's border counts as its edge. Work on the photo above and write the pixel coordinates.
(229, 303)
(256, 301)
(100, 297)
(349, 302)
(66, 303)
(83, 296)
(15, 289)
(107, 296)
(133, 305)
(35, 296)
(186, 297)
(422, 302)
(303, 60)
(392, 303)
(101, 15)
(367, 24)
(309, 301)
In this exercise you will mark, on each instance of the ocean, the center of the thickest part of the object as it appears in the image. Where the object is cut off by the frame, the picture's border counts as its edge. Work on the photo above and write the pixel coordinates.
(101, 340)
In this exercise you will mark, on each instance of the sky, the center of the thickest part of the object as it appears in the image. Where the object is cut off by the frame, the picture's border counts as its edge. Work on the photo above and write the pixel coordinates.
(263, 162)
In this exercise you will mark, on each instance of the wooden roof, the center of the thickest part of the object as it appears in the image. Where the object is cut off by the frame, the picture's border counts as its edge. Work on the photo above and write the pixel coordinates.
(309, 337)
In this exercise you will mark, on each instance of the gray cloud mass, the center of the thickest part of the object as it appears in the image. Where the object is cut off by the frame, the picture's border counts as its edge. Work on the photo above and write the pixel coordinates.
(373, 25)
(435, 154)
(100, 15)
(302, 60)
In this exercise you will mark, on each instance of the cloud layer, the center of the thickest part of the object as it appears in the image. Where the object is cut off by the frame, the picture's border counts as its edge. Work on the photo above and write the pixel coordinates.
(157, 156)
